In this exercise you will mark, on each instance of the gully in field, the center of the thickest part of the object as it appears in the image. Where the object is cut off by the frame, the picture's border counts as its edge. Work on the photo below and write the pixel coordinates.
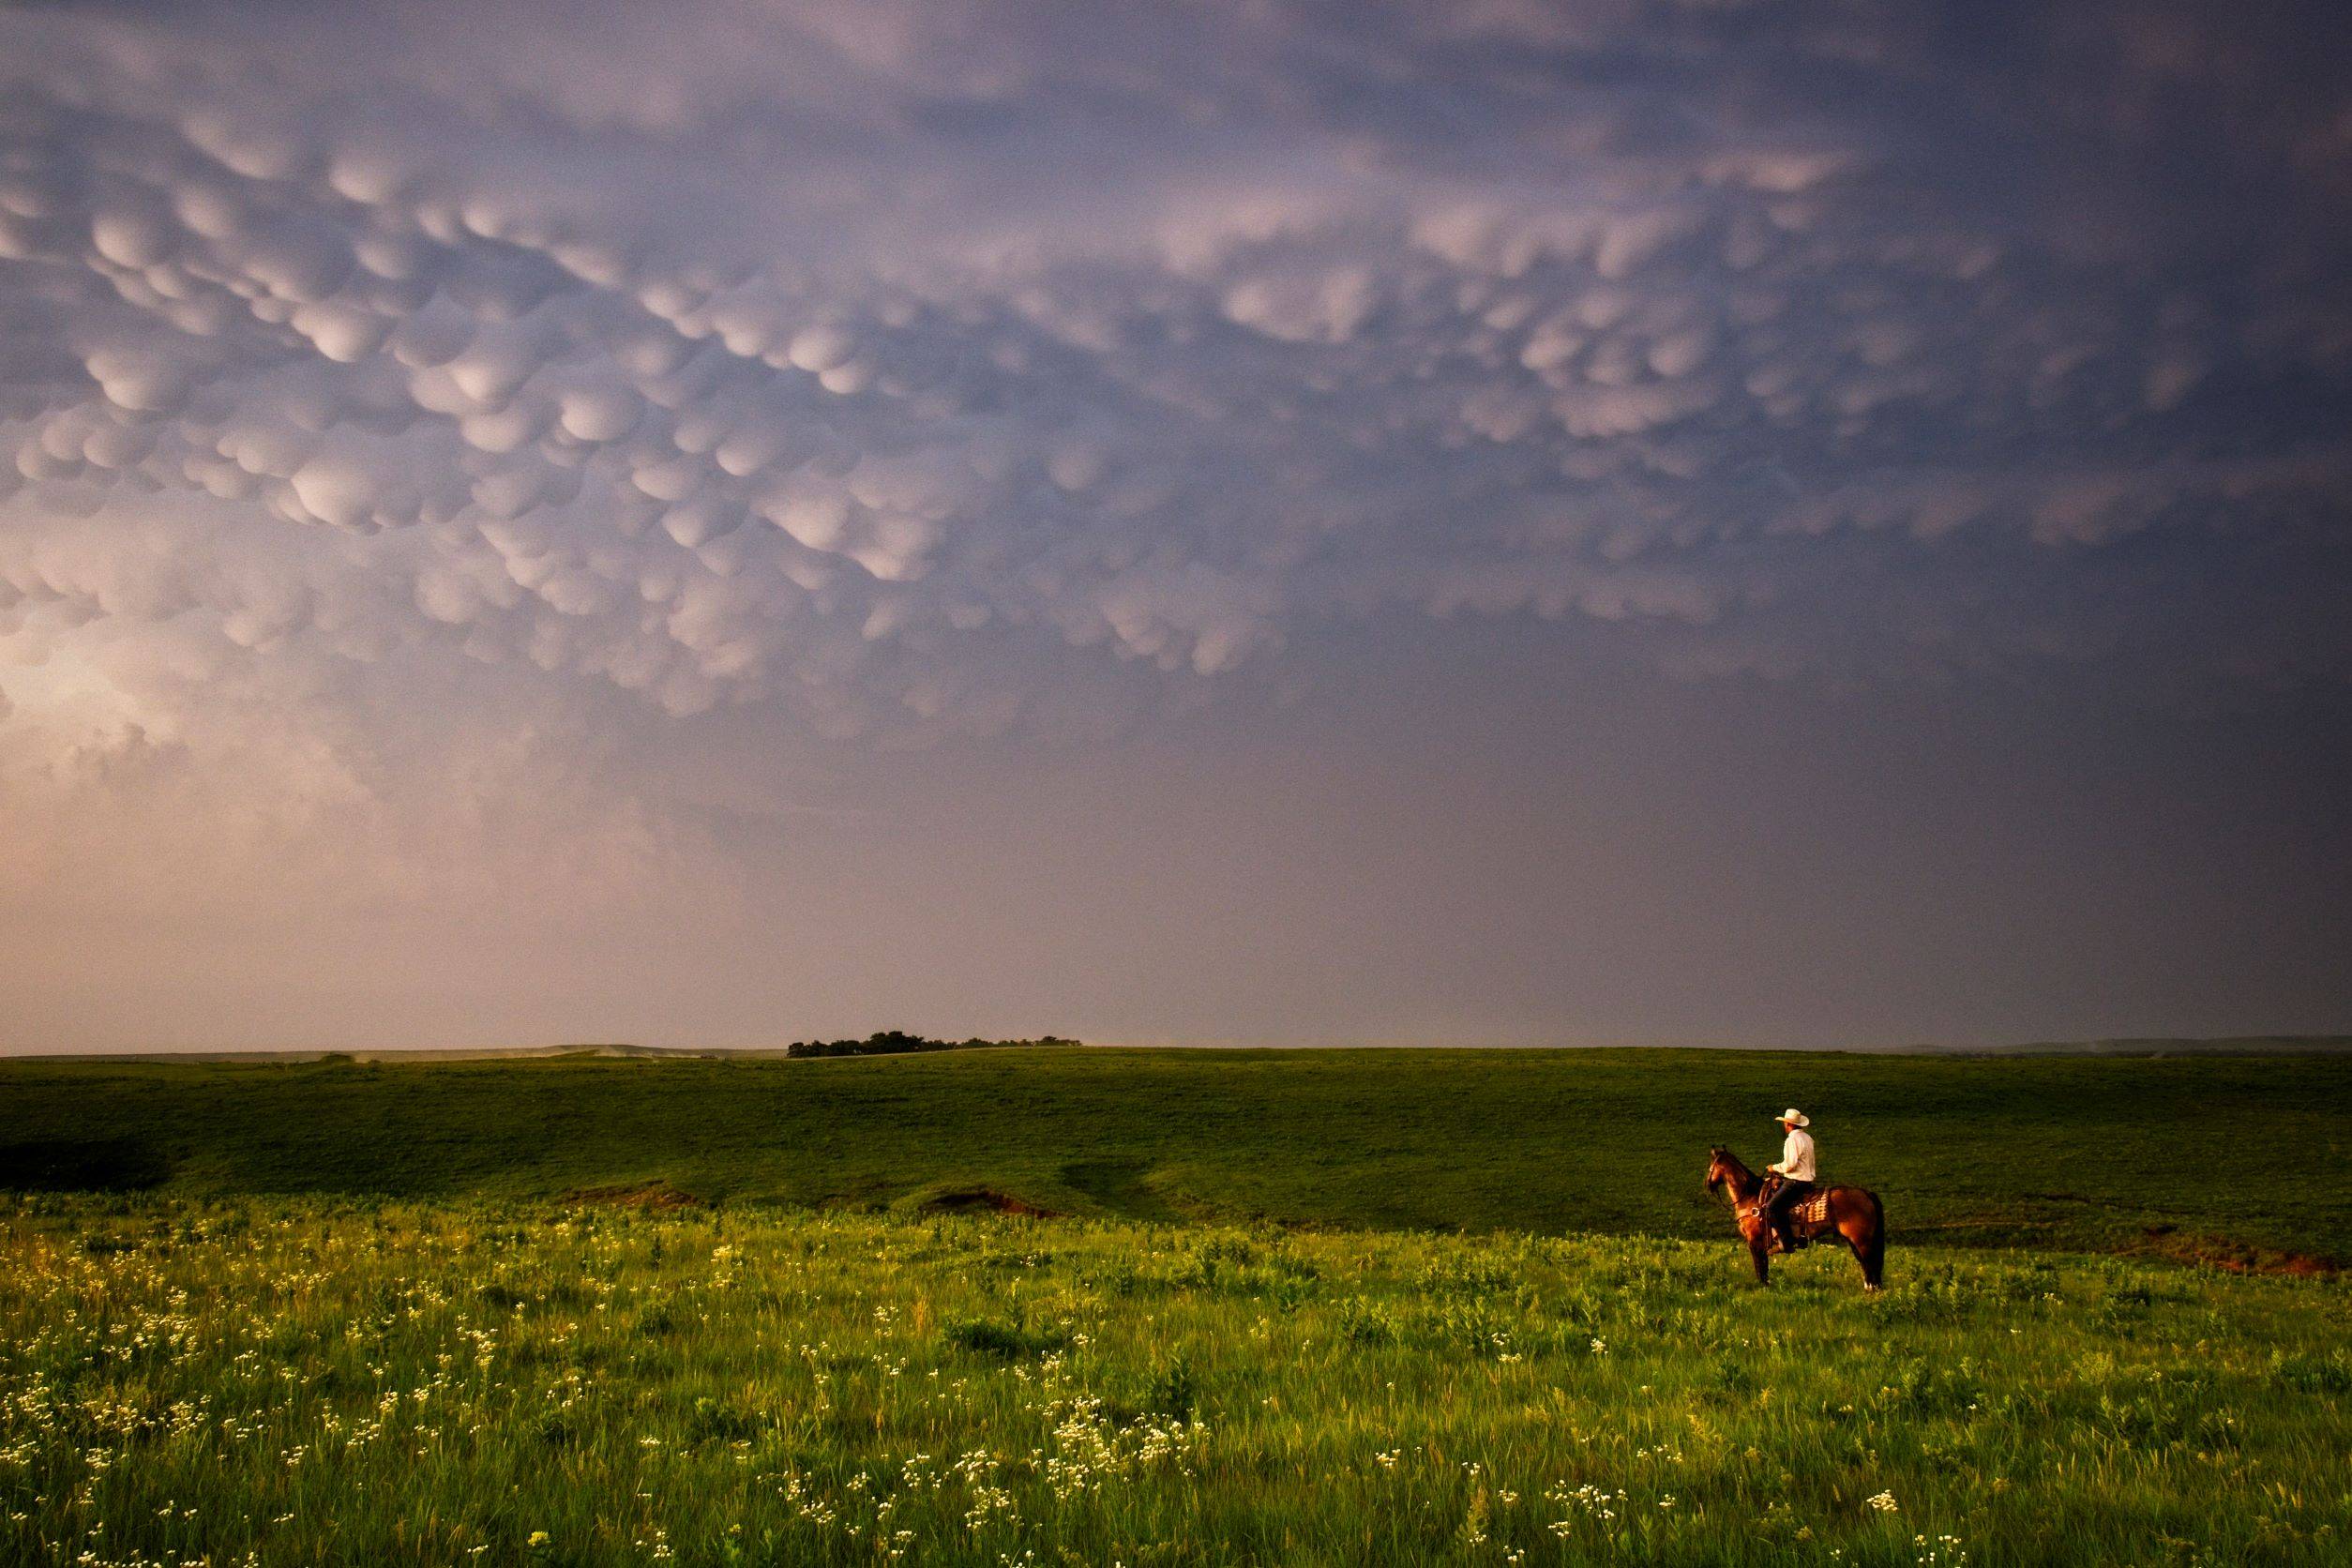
(1786, 1208)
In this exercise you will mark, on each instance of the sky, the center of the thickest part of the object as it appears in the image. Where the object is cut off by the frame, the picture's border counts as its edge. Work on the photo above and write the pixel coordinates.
(1503, 523)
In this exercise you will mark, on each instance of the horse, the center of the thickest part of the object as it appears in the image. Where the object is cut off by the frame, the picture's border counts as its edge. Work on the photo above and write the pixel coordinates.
(1854, 1214)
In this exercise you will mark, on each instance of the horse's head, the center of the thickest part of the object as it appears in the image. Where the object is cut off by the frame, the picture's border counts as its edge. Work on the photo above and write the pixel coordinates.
(1717, 1172)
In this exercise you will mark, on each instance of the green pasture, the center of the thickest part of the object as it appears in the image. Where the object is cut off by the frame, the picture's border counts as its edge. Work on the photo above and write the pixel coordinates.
(306, 1381)
(2240, 1157)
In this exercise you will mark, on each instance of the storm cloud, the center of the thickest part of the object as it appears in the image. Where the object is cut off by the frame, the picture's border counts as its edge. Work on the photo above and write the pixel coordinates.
(668, 411)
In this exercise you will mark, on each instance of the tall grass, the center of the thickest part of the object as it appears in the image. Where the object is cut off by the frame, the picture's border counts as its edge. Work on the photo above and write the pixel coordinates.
(306, 1382)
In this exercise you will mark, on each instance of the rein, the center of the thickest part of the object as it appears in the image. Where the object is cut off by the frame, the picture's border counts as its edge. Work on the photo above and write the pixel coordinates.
(1745, 1187)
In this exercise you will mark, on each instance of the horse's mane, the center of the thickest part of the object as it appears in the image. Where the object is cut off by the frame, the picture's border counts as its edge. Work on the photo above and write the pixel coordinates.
(1737, 1171)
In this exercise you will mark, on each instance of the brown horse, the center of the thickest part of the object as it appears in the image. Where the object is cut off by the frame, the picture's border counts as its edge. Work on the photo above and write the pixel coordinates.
(1854, 1215)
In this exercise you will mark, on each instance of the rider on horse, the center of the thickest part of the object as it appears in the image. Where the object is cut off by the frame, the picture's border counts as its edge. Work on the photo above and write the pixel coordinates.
(1797, 1173)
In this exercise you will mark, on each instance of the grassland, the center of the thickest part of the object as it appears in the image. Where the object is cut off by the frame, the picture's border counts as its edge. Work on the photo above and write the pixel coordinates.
(270, 1381)
(2235, 1156)
(1328, 1309)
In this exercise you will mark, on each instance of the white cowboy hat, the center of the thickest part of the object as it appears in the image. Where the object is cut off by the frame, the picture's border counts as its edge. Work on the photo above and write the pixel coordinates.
(1794, 1118)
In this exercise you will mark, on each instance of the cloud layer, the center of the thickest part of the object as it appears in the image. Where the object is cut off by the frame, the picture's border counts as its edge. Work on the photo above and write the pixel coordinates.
(861, 357)
(899, 370)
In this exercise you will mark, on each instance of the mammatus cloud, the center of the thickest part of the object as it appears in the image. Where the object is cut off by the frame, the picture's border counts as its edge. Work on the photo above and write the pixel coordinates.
(917, 368)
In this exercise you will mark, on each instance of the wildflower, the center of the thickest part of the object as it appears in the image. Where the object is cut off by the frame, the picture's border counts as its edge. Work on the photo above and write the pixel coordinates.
(1884, 1502)
(538, 1538)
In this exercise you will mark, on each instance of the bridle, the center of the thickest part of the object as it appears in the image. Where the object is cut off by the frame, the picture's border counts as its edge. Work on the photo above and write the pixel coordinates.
(1720, 1180)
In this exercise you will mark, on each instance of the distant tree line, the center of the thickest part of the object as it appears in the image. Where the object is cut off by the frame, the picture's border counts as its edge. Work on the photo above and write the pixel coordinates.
(893, 1042)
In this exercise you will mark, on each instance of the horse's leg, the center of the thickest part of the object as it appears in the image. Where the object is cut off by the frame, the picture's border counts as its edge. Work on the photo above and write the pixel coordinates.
(1861, 1257)
(1763, 1269)
(1865, 1236)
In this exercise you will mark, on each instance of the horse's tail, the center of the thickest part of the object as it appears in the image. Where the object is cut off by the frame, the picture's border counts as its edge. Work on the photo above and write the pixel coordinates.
(1874, 1260)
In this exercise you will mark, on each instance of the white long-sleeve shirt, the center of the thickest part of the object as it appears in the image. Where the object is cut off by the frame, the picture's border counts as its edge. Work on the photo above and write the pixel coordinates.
(1796, 1156)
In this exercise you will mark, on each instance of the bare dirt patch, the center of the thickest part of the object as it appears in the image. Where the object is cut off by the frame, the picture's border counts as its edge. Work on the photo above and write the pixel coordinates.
(656, 1196)
(2238, 1258)
(985, 1200)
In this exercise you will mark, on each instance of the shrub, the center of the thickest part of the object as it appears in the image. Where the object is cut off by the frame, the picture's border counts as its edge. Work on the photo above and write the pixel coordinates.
(1467, 1277)
(1364, 1325)
(1005, 1341)
(716, 1422)
(1228, 1249)
(1174, 1390)
(2313, 1373)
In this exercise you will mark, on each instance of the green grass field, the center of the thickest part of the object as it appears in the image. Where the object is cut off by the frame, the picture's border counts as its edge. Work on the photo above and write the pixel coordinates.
(2208, 1152)
(299, 1381)
(1332, 1308)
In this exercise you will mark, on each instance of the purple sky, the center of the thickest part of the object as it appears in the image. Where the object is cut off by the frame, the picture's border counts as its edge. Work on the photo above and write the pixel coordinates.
(1495, 521)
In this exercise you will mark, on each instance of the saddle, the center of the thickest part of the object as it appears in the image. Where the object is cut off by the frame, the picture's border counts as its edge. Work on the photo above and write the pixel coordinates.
(1808, 1217)
(1813, 1210)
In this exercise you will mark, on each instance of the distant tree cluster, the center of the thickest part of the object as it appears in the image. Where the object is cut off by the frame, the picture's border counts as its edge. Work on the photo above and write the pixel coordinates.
(893, 1042)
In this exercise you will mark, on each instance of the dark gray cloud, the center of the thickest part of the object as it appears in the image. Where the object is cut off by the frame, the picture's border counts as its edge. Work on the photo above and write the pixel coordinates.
(902, 371)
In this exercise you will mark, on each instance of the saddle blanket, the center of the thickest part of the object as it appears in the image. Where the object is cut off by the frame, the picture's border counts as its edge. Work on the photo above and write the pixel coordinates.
(1814, 1210)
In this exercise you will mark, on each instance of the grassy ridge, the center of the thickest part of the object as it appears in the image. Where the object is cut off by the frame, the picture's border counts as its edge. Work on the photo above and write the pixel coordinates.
(314, 1382)
(2188, 1153)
